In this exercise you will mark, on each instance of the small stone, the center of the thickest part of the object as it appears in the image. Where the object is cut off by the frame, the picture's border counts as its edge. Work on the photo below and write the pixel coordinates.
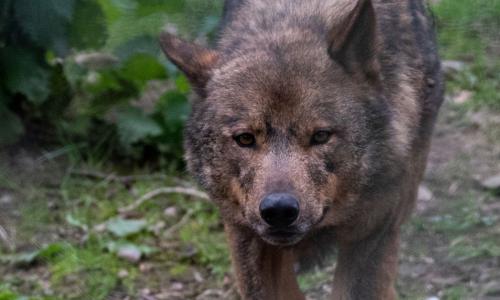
(198, 277)
(177, 286)
(158, 227)
(462, 97)
(145, 267)
(451, 67)
(100, 227)
(130, 254)
(424, 194)
(432, 298)
(491, 183)
(171, 212)
(6, 199)
(327, 288)
(453, 188)
(122, 273)
(428, 260)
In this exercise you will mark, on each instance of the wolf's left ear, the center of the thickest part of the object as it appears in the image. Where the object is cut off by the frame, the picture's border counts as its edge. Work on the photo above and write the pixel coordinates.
(194, 60)
(353, 40)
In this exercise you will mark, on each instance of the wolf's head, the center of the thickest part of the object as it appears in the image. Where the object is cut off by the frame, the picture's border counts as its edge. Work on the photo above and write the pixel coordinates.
(290, 127)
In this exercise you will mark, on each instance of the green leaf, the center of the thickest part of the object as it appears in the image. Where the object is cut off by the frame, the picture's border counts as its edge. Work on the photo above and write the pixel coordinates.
(11, 126)
(141, 68)
(133, 126)
(146, 8)
(45, 22)
(75, 222)
(130, 26)
(175, 109)
(88, 28)
(25, 74)
(111, 11)
(141, 44)
(47, 252)
(122, 227)
(115, 247)
(182, 84)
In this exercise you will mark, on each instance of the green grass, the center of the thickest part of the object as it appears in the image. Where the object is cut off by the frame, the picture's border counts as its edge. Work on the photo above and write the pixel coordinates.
(85, 265)
(468, 31)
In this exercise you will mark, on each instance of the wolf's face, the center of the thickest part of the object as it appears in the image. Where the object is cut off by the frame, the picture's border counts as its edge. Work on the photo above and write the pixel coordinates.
(283, 145)
(285, 138)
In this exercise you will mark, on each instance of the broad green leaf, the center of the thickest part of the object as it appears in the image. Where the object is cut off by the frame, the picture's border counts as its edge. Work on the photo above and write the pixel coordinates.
(126, 6)
(11, 126)
(45, 253)
(146, 8)
(133, 125)
(175, 109)
(100, 82)
(141, 44)
(141, 68)
(111, 11)
(25, 74)
(122, 227)
(45, 22)
(130, 26)
(88, 28)
(115, 247)
(75, 222)
(182, 84)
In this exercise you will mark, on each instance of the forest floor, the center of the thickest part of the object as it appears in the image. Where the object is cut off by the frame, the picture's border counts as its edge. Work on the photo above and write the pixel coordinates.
(66, 232)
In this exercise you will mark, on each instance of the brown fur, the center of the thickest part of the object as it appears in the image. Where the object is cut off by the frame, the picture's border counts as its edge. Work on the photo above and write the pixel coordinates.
(367, 71)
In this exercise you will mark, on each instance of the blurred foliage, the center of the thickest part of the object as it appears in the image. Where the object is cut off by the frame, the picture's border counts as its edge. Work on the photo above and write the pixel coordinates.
(92, 75)
(468, 32)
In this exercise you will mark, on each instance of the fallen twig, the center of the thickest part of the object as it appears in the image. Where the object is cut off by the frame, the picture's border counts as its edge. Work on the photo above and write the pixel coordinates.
(114, 177)
(166, 190)
(172, 229)
(5, 237)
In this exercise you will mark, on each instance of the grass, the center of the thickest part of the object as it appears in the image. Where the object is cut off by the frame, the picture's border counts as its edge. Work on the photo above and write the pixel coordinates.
(467, 31)
(87, 265)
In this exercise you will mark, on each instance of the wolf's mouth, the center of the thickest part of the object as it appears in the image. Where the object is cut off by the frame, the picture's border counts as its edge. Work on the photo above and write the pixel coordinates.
(286, 237)
(290, 235)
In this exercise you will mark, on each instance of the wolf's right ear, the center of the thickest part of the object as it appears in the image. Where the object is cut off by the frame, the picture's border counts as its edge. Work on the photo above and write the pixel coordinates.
(194, 60)
(354, 38)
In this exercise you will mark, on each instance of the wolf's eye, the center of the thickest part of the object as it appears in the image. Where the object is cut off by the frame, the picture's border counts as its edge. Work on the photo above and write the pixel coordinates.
(245, 140)
(320, 137)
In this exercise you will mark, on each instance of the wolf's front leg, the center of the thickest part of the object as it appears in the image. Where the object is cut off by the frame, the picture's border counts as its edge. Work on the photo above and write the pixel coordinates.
(367, 269)
(263, 271)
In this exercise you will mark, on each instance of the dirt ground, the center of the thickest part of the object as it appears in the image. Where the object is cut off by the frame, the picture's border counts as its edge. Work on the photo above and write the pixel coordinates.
(450, 248)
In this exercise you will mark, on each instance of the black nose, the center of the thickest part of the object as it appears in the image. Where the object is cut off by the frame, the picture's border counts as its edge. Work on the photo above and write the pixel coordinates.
(279, 210)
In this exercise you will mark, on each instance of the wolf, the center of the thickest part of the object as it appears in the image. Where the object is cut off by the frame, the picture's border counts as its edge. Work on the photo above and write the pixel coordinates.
(311, 128)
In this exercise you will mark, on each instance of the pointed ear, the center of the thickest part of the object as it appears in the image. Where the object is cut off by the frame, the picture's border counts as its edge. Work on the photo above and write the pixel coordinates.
(192, 59)
(354, 42)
